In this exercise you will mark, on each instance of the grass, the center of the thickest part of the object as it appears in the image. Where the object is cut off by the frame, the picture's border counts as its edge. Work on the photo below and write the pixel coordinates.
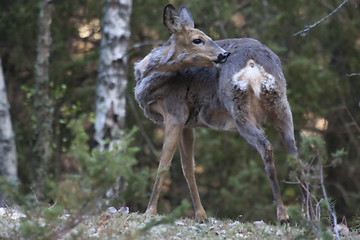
(123, 225)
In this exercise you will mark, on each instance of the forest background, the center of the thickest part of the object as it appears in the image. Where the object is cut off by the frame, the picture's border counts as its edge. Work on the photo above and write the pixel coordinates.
(322, 69)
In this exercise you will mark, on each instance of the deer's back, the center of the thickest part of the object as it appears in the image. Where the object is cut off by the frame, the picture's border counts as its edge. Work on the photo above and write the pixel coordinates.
(243, 49)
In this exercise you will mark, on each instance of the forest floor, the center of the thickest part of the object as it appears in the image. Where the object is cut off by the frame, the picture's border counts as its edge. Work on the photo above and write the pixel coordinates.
(114, 224)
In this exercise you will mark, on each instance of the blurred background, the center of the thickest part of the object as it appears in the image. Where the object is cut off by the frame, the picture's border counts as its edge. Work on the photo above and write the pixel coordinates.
(322, 68)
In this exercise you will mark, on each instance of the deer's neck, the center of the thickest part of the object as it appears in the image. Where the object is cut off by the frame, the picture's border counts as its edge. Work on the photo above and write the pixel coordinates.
(162, 59)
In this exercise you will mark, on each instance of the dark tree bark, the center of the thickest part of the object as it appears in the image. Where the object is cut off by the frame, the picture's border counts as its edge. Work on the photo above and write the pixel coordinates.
(42, 102)
(112, 72)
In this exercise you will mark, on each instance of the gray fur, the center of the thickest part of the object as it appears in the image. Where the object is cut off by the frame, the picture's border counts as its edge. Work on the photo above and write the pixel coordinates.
(186, 17)
(235, 95)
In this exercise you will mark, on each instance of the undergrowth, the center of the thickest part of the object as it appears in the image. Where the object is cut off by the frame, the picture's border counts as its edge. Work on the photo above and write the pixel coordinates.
(76, 205)
(76, 196)
(124, 225)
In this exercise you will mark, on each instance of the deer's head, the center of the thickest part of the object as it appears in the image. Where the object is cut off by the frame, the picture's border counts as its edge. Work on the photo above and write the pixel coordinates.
(196, 46)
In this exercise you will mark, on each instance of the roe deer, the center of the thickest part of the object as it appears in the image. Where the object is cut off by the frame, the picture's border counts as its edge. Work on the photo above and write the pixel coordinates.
(191, 81)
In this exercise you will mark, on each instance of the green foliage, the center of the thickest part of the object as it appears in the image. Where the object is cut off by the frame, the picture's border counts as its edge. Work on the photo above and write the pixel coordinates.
(317, 210)
(310, 229)
(82, 193)
(237, 177)
(101, 167)
(137, 187)
(312, 152)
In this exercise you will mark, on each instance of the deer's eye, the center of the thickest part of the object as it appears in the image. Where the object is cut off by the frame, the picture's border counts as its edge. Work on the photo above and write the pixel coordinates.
(197, 41)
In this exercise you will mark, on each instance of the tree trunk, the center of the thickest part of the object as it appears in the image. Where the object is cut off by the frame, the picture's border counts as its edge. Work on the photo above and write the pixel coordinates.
(112, 72)
(42, 103)
(8, 162)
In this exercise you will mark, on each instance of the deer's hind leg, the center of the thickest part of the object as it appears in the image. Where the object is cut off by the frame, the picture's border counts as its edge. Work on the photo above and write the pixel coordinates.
(278, 110)
(246, 123)
(188, 166)
(257, 139)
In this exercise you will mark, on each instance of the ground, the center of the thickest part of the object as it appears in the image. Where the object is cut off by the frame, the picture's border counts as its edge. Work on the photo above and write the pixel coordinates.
(120, 224)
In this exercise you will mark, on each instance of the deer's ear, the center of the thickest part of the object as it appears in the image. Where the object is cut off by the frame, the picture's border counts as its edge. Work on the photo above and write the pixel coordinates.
(171, 19)
(186, 17)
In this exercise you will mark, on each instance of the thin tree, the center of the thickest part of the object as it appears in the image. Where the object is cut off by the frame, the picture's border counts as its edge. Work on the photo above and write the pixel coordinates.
(42, 103)
(112, 72)
(8, 161)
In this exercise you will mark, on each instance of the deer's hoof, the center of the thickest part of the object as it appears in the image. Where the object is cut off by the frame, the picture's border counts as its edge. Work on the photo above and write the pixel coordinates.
(150, 212)
(200, 216)
(285, 221)
(282, 216)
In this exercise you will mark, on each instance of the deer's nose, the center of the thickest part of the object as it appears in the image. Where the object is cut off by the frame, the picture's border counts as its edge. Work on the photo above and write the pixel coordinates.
(222, 57)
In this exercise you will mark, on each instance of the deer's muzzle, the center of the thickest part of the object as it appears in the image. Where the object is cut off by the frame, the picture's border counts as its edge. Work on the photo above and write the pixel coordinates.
(222, 57)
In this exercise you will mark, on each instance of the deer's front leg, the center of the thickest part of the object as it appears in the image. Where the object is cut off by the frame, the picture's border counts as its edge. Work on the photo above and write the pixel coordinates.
(173, 129)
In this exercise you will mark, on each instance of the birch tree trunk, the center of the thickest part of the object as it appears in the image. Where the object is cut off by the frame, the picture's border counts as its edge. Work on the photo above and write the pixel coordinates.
(42, 103)
(8, 162)
(112, 72)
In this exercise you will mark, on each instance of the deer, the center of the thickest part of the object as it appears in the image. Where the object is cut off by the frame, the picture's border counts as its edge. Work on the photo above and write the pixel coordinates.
(192, 81)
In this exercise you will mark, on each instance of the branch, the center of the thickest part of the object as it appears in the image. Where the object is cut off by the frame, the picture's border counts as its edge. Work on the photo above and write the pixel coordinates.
(353, 74)
(346, 107)
(327, 203)
(35, 195)
(141, 127)
(146, 43)
(308, 27)
(143, 44)
(306, 189)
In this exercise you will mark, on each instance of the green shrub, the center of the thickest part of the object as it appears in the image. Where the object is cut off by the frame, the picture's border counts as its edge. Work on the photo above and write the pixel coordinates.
(317, 212)
(81, 194)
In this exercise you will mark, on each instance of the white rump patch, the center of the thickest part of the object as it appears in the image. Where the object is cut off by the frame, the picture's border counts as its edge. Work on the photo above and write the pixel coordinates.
(239, 81)
(255, 76)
